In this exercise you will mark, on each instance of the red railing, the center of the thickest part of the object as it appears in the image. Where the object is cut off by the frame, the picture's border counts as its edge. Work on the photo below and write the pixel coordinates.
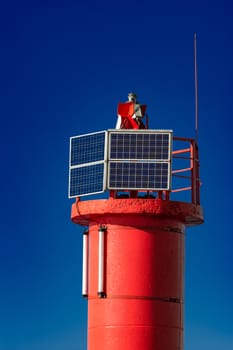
(191, 172)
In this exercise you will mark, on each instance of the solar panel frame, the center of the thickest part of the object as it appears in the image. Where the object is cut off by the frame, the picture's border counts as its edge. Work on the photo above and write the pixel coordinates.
(144, 143)
(91, 172)
(90, 163)
(149, 159)
(124, 180)
(88, 157)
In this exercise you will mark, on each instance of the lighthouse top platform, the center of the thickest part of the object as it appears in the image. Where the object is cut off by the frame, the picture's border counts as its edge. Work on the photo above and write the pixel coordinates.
(143, 171)
(135, 212)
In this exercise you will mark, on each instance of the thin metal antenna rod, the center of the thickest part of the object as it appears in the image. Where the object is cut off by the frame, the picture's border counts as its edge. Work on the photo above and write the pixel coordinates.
(196, 86)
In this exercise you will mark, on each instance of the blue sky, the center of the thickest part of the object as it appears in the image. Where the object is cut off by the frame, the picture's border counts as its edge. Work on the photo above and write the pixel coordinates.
(64, 66)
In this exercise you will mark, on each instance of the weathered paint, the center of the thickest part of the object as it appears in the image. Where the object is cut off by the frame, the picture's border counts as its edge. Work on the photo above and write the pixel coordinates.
(115, 211)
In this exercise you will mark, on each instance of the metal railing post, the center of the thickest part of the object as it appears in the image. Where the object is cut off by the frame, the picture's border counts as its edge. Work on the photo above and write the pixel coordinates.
(193, 171)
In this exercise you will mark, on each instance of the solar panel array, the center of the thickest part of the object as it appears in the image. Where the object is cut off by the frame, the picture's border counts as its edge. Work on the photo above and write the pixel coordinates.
(135, 160)
(87, 164)
(141, 160)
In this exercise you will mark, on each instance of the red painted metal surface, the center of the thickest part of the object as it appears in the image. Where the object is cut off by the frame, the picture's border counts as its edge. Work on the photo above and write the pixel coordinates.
(126, 111)
(143, 271)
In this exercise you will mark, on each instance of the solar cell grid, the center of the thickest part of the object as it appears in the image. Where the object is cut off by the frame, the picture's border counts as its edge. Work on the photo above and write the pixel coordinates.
(126, 175)
(87, 149)
(139, 146)
(86, 180)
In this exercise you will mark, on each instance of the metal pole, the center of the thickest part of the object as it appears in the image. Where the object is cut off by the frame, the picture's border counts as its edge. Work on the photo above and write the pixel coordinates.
(101, 292)
(85, 265)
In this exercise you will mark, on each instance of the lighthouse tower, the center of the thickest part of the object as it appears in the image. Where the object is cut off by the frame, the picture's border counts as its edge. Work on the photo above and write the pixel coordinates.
(133, 240)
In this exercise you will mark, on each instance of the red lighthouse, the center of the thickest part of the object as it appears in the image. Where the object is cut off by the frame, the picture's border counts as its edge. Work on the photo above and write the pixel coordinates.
(133, 244)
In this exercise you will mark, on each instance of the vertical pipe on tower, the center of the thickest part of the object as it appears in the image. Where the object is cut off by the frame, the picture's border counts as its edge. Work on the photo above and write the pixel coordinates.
(100, 291)
(85, 265)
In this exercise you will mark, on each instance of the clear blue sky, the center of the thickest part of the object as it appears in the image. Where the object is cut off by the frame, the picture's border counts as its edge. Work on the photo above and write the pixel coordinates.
(64, 66)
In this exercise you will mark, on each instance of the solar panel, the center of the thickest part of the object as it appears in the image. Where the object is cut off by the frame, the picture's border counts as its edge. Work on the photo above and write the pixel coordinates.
(87, 148)
(140, 145)
(87, 164)
(139, 176)
(86, 180)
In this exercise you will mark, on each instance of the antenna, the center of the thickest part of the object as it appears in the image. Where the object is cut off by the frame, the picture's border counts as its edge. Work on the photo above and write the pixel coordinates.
(196, 87)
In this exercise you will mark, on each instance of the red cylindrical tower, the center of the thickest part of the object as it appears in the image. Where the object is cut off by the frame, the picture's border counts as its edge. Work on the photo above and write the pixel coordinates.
(133, 251)
(133, 275)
